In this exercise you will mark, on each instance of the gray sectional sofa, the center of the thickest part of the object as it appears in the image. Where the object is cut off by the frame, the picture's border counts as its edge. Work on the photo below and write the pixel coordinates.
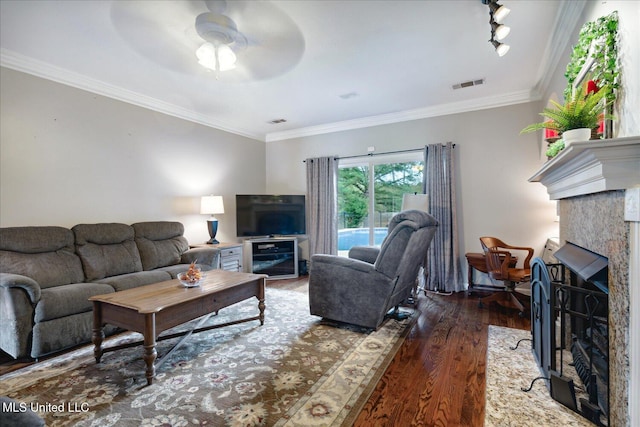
(48, 273)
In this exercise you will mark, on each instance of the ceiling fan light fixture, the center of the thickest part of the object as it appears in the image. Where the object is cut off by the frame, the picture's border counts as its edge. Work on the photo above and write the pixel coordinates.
(216, 57)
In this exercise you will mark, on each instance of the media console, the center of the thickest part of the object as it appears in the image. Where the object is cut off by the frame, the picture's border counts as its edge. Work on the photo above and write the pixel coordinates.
(276, 257)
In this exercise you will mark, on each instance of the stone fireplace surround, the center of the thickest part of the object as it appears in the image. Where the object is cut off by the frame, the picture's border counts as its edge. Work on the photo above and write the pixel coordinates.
(591, 181)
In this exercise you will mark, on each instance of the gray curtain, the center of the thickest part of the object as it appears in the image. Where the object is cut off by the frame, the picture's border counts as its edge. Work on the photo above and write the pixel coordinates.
(322, 205)
(443, 258)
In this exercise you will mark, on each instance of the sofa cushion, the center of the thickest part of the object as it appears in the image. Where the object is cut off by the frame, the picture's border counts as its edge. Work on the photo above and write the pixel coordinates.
(161, 243)
(106, 249)
(45, 254)
(65, 300)
(64, 332)
(133, 280)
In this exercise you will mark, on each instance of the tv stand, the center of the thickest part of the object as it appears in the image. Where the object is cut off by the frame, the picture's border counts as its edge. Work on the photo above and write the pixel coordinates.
(276, 257)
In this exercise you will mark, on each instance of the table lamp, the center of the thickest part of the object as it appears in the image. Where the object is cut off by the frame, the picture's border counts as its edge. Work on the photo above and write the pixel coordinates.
(212, 205)
(415, 201)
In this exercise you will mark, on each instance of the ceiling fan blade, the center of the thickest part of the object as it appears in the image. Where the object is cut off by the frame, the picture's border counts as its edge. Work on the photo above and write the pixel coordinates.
(161, 31)
(275, 43)
(164, 32)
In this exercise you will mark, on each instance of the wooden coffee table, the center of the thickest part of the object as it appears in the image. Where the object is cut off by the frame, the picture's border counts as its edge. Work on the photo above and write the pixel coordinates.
(154, 308)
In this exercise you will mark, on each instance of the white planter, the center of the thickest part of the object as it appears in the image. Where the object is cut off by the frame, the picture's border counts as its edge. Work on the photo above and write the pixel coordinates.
(576, 135)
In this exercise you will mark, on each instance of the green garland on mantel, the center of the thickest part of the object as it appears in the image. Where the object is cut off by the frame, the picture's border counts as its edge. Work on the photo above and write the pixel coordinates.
(602, 34)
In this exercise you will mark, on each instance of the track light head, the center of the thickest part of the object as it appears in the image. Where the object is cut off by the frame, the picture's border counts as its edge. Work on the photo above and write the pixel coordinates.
(499, 31)
(497, 11)
(501, 48)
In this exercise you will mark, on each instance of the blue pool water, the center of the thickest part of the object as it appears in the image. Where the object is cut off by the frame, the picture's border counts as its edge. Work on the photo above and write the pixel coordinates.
(350, 237)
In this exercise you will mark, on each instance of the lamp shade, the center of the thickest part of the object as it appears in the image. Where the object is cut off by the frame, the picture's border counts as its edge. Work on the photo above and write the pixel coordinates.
(211, 205)
(415, 201)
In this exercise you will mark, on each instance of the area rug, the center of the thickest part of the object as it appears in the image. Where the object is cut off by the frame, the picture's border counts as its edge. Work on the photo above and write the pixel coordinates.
(296, 370)
(507, 372)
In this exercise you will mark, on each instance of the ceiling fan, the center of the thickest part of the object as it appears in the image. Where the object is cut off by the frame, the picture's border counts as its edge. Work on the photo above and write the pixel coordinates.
(222, 38)
(239, 41)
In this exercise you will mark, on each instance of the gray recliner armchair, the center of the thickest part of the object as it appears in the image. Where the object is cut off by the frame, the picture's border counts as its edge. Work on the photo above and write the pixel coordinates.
(363, 288)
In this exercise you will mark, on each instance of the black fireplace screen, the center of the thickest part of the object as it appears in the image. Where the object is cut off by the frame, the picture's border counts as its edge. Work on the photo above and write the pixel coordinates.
(569, 325)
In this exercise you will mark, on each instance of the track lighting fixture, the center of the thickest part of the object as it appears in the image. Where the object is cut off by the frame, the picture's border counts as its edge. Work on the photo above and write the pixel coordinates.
(498, 30)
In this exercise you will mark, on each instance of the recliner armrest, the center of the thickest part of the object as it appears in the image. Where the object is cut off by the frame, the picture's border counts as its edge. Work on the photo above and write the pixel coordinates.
(364, 253)
(30, 286)
(341, 262)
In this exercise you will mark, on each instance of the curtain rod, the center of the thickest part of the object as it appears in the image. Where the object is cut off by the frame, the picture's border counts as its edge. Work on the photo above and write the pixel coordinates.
(411, 150)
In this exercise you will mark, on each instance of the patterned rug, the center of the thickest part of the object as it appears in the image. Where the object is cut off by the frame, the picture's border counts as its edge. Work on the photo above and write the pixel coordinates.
(509, 370)
(296, 370)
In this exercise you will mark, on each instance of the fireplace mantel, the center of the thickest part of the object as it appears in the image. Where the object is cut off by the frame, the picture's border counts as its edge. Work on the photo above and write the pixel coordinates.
(591, 167)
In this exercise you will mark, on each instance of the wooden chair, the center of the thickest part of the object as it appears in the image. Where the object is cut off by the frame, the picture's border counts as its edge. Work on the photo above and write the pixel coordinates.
(500, 268)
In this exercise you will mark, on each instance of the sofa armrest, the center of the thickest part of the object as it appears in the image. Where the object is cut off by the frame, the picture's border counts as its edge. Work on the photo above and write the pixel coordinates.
(30, 286)
(18, 297)
(365, 253)
(204, 256)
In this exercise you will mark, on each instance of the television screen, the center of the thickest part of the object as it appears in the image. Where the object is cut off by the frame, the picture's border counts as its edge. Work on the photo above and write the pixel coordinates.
(270, 215)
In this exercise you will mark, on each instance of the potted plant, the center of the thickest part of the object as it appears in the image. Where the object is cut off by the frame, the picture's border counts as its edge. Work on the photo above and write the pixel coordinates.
(577, 117)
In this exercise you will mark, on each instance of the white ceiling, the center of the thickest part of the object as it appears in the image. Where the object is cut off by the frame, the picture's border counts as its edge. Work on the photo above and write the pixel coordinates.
(400, 58)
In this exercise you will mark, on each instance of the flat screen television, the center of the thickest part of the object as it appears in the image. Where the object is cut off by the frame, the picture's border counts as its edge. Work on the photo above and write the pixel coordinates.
(270, 215)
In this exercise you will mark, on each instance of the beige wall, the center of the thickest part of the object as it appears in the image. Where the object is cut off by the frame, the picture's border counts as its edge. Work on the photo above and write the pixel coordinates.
(68, 156)
(494, 161)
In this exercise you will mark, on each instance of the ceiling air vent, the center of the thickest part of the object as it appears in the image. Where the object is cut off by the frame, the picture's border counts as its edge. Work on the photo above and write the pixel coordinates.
(468, 84)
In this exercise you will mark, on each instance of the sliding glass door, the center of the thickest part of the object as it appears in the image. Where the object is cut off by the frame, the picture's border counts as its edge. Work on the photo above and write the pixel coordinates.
(370, 192)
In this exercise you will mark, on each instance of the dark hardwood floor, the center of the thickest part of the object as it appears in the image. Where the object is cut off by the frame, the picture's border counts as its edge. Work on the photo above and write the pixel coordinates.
(437, 378)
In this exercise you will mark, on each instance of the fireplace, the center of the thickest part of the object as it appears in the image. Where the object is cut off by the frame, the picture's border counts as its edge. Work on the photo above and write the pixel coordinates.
(569, 321)
(595, 184)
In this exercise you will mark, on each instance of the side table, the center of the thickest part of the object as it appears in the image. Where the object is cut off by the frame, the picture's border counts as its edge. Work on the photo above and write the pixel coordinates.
(230, 255)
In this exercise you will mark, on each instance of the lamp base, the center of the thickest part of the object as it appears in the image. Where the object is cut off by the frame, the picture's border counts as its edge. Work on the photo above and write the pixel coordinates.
(212, 226)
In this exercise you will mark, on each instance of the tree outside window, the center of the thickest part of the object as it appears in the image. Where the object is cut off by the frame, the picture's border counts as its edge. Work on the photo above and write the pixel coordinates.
(390, 181)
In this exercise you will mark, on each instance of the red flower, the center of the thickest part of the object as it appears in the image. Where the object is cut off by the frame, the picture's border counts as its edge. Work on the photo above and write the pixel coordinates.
(592, 87)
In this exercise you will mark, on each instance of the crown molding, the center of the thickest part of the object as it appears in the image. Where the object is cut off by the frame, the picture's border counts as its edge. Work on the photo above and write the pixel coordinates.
(404, 116)
(570, 12)
(37, 68)
(567, 19)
